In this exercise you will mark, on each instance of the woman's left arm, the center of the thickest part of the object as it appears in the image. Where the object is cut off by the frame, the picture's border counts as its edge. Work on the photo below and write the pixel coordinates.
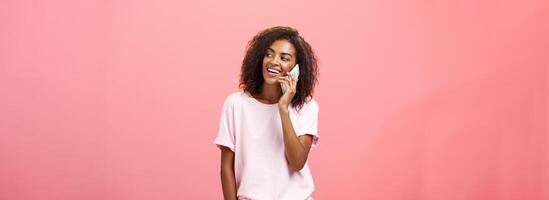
(296, 148)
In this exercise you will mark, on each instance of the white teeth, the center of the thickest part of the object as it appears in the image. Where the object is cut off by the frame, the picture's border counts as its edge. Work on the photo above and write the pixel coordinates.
(273, 70)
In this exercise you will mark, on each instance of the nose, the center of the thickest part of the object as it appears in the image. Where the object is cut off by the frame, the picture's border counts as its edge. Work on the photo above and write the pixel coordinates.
(275, 61)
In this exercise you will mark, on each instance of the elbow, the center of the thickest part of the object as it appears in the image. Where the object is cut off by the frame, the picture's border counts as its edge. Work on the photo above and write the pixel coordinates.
(296, 163)
(297, 166)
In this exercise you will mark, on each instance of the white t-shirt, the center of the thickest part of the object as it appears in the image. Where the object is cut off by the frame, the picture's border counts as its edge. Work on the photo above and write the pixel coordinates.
(253, 131)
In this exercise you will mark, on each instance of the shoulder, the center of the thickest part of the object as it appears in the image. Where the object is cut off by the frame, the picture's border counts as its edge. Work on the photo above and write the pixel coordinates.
(309, 106)
(235, 98)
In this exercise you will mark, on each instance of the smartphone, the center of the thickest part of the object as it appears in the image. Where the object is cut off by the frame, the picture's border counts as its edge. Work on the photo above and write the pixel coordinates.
(294, 73)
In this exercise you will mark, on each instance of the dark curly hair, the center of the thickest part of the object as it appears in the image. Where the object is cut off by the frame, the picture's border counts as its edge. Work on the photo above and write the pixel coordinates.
(251, 77)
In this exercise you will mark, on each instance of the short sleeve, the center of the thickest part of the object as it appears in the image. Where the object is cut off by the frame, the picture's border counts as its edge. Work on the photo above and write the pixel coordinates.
(226, 132)
(309, 121)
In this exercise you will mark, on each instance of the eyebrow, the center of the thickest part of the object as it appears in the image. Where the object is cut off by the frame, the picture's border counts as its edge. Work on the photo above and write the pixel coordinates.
(283, 53)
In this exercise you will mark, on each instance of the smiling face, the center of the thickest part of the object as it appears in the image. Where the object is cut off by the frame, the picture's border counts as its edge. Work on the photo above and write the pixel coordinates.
(278, 49)
(279, 58)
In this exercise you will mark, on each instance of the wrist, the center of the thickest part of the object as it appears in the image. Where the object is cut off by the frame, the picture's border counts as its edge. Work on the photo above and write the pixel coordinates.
(283, 110)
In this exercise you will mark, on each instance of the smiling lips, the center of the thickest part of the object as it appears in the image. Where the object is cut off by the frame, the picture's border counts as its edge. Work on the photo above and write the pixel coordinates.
(273, 72)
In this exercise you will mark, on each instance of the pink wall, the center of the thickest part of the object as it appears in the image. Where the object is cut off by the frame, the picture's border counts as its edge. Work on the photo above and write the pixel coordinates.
(419, 99)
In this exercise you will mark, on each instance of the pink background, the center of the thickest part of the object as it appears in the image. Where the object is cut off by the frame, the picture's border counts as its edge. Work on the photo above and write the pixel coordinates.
(418, 99)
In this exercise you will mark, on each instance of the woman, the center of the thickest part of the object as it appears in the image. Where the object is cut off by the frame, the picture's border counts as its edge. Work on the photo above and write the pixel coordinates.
(265, 134)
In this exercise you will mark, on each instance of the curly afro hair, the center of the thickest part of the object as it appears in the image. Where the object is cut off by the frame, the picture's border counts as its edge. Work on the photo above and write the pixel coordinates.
(251, 77)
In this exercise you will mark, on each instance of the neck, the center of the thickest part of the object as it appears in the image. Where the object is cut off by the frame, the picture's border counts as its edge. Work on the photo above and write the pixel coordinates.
(270, 93)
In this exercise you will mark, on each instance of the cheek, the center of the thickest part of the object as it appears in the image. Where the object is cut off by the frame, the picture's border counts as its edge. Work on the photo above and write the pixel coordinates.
(287, 67)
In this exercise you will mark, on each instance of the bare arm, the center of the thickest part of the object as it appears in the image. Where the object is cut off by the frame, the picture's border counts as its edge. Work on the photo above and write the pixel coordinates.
(227, 173)
(296, 148)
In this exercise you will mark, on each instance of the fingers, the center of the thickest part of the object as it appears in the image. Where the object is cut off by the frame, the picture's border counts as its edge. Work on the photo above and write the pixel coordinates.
(292, 80)
(285, 81)
(289, 81)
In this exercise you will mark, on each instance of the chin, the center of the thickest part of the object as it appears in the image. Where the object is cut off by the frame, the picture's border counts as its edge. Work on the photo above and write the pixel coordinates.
(269, 81)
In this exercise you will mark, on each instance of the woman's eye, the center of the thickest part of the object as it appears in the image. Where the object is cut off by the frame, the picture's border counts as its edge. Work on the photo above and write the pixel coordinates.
(285, 59)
